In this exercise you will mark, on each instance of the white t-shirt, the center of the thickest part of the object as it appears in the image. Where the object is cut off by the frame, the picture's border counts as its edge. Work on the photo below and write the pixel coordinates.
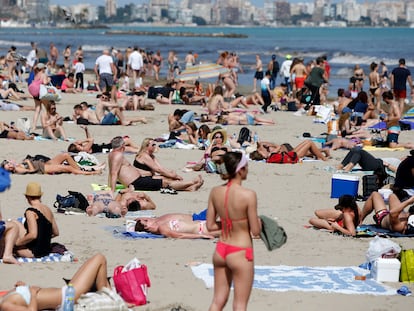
(104, 64)
(135, 61)
(79, 67)
(264, 84)
(31, 58)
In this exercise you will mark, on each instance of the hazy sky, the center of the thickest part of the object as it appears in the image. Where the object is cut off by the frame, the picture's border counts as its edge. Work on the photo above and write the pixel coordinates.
(123, 2)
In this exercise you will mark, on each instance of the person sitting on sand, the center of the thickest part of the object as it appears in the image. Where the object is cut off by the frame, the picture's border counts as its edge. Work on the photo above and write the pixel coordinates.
(88, 145)
(11, 132)
(177, 121)
(68, 84)
(39, 228)
(62, 163)
(304, 149)
(109, 113)
(176, 226)
(131, 177)
(393, 218)
(344, 218)
(148, 165)
(52, 123)
(91, 275)
(126, 200)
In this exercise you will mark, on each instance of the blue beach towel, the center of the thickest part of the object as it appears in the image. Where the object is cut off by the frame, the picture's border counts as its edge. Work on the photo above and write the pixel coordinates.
(53, 257)
(119, 232)
(373, 230)
(307, 279)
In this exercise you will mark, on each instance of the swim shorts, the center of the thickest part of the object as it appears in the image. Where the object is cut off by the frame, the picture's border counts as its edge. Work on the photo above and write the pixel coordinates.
(147, 183)
(400, 93)
(109, 119)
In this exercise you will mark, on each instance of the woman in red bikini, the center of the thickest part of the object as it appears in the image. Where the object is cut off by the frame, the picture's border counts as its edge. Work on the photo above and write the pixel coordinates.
(236, 207)
(344, 218)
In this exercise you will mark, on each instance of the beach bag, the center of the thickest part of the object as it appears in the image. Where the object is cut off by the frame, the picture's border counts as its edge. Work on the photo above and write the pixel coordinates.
(23, 124)
(103, 300)
(407, 265)
(73, 200)
(49, 92)
(132, 282)
(382, 248)
(5, 180)
(283, 157)
(85, 159)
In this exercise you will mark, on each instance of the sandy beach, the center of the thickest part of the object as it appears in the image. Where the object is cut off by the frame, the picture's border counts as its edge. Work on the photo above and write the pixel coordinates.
(289, 193)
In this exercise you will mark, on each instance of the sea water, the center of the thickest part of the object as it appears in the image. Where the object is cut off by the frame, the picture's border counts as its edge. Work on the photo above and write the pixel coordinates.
(344, 47)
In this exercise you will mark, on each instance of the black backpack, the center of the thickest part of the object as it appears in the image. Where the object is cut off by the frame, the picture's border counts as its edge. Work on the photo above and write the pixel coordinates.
(73, 200)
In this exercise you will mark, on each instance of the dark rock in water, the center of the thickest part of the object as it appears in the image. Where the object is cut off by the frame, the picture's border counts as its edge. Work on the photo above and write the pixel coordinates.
(175, 34)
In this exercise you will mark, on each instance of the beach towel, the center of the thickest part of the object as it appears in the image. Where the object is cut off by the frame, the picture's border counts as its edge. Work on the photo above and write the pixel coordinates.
(41, 138)
(102, 187)
(119, 232)
(374, 230)
(409, 114)
(307, 279)
(374, 148)
(53, 257)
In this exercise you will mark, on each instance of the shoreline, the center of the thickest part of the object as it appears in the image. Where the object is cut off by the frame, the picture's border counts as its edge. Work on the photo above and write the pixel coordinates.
(175, 34)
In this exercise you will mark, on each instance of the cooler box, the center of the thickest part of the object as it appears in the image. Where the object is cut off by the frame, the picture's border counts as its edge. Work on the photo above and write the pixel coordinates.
(344, 184)
(386, 270)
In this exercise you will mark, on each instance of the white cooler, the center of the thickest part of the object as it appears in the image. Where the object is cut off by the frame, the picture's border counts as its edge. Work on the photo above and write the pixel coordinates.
(386, 270)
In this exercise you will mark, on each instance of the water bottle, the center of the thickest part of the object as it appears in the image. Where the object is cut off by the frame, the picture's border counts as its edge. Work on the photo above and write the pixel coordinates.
(255, 137)
(69, 302)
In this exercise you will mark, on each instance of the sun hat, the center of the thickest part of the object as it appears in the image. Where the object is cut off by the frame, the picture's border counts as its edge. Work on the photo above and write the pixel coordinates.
(345, 200)
(33, 189)
(219, 130)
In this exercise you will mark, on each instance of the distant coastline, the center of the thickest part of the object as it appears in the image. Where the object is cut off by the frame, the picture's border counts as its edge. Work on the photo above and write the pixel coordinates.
(175, 34)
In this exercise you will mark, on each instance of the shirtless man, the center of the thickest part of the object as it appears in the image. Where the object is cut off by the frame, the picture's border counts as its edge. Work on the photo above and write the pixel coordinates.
(298, 71)
(177, 226)
(109, 113)
(259, 72)
(393, 122)
(394, 218)
(128, 175)
(189, 60)
(54, 55)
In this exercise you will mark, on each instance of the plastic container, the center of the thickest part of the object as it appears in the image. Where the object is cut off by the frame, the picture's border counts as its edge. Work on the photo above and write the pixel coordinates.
(344, 184)
(69, 302)
(386, 270)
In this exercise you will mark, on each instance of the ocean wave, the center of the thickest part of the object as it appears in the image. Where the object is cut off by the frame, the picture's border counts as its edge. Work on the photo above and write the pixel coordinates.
(349, 58)
(15, 43)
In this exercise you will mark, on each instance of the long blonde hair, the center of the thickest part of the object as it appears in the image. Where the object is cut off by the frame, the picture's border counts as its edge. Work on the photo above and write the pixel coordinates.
(144, 145)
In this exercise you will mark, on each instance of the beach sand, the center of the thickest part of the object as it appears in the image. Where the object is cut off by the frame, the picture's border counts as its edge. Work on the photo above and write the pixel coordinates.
(288, 192)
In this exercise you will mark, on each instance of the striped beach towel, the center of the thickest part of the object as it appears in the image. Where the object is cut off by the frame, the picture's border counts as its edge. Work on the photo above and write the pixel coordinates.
(52, 257)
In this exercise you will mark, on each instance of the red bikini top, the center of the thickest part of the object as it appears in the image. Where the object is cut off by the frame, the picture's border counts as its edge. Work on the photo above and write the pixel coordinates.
(227, 222)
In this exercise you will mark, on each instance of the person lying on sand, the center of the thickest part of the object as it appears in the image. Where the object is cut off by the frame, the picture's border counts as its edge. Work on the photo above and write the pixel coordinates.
(178, 226)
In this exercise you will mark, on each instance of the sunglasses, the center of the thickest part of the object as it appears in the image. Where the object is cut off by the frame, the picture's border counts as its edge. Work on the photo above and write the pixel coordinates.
(104, 97)
(218, 136)
(153, 145)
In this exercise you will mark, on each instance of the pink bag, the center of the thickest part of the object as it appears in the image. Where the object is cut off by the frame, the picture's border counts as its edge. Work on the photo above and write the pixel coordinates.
(132, 285)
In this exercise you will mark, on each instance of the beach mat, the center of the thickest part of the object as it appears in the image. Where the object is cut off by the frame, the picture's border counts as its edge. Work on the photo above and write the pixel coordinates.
(374, 148)
(119, 232)
(102, 187)
(373, 230)
(308, 279)
(53, 257)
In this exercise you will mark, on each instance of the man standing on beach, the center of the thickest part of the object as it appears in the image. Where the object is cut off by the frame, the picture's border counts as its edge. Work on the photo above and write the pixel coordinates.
(399, 77)
(285, 72)
(274, 68)
(135, 64)
(259, 72)
(54, 54)
(105, 72)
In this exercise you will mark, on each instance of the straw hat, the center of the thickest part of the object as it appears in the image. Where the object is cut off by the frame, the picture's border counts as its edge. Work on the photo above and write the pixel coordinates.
(223, 133)
(33, 189)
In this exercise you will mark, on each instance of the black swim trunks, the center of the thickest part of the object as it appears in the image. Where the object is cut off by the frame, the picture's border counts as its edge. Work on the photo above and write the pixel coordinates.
(147, 183)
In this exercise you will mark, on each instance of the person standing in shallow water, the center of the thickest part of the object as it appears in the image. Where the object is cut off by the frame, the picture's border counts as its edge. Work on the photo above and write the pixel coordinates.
(236, 207)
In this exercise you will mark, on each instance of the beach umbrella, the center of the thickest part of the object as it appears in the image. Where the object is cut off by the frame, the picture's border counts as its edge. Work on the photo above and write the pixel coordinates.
(202, 71)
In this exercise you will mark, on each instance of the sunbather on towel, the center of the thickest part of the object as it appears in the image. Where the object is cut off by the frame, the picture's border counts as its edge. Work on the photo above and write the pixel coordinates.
(91, 275)
(344, 218)
(126, 200)
(178, 226)
(393, 218)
